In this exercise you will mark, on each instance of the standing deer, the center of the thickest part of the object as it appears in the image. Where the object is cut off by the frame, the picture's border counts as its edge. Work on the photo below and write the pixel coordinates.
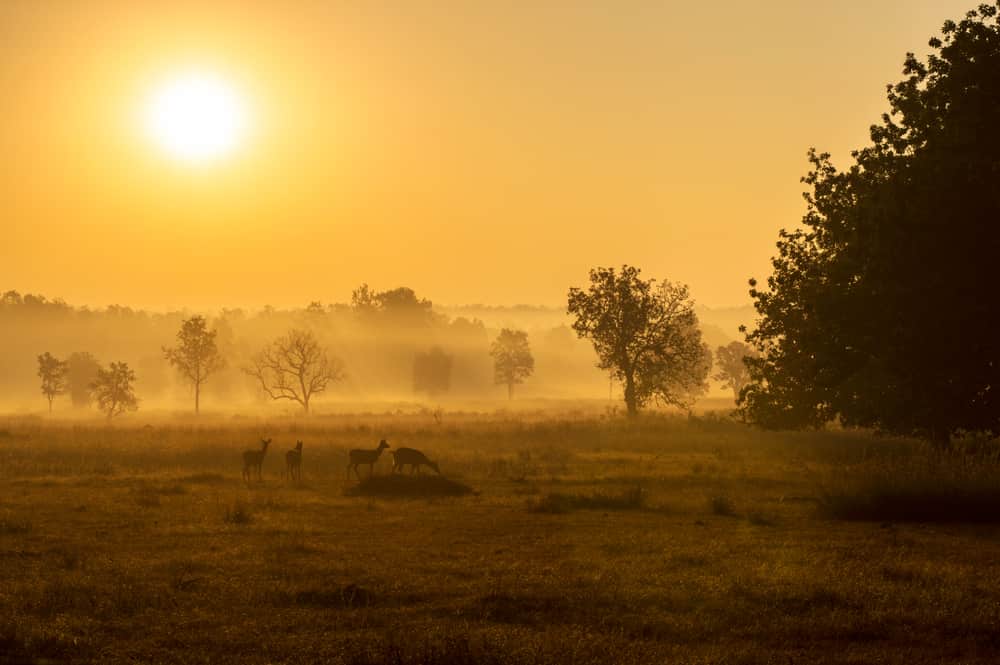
(368, 457)
(403, 456)
(253, 459)
(293, 462)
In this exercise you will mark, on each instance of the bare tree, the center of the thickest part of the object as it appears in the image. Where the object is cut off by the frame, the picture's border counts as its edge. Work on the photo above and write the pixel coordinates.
(512, 359)
(295, 367)
(114, 390)
(52, 372)
(196, 356)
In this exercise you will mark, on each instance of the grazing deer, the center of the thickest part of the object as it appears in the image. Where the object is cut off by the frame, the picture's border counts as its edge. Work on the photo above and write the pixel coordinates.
(253, 459)
(368, 457)
(293, 462)
(403, 456)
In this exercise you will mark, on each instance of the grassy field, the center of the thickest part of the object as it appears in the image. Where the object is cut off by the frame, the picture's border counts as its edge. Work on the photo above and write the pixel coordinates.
(586, 540)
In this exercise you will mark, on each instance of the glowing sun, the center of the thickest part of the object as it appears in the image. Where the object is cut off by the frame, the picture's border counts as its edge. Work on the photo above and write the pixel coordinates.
(196, 117)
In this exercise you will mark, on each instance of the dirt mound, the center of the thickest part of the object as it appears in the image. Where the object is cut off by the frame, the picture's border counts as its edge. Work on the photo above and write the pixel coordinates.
(402, 485)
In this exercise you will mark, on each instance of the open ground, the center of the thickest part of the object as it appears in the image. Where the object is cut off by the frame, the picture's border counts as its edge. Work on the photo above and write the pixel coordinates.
(587, 539)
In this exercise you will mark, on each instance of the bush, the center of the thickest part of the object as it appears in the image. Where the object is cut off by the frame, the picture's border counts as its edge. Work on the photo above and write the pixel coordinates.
(721, 505)
(928, 487)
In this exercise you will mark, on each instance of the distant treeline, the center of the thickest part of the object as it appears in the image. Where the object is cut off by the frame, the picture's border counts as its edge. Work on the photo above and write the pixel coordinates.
(379, 336)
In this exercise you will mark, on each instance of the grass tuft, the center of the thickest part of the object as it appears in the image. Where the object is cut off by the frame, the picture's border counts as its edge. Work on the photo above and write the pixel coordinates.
(633, 498)
(932, 487)
(721, 505)
(238, 513)
(409, 486)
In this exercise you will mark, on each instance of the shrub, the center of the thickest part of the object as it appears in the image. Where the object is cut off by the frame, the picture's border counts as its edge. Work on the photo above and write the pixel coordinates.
(721, 505)
(238, 513)
(926, 487)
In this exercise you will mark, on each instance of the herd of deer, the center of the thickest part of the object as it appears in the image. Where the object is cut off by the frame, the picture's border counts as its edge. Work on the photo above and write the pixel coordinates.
(401, 457)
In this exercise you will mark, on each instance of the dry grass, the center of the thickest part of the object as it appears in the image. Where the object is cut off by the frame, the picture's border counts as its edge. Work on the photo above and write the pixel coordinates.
(143, 545)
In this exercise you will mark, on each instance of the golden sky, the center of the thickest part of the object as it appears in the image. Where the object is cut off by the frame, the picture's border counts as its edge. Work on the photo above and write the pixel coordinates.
(476, 151)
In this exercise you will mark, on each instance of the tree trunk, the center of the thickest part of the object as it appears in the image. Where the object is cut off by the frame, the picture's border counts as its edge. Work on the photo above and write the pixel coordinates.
(510, 391)
(197, 396)
(50, 406)
(305, 405)
(631, 404)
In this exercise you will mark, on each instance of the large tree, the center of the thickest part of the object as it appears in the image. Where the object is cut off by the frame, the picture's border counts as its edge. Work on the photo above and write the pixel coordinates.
(881, 310)
(52, 372)
(81, 373)
(512, 359)
(196, 355)
(295, 367)
(432, 372)
(646, 333)
(114, 390)
(732, 370)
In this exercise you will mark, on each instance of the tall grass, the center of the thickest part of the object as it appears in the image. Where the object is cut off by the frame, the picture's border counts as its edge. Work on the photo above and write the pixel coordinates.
(927, 486)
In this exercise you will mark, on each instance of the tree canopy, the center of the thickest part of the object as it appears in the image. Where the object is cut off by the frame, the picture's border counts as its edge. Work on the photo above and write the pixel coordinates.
(52, 372)
(295, 367)
(196, 355)
(645, 333)
(881, 308)
(114, 390)
(512, 359)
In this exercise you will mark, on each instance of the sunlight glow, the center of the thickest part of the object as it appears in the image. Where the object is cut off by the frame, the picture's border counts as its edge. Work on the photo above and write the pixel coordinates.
(196, 117)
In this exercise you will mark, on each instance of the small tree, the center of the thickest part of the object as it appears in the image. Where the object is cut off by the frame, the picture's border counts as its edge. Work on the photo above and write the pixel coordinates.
(114, 390)
(295, 367)
(645, 333)
(732, 370)
(196, 356)
(432, 372)
(52, 372)
(81, 373)
(512, 359)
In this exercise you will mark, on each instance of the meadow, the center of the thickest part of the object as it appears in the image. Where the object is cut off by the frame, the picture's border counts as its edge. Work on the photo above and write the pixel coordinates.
(587, 539)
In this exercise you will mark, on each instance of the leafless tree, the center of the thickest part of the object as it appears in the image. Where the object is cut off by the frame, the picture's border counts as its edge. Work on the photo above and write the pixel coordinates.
(295, 367)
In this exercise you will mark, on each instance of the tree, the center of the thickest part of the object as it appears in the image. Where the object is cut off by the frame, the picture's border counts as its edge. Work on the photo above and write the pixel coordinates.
(645, 333)
(432, 372)
(81, 373)
(114, 390)
(295, 367)
(733, 371)
(880, 309)
(52, 372)
(196, 356)
(512, 359)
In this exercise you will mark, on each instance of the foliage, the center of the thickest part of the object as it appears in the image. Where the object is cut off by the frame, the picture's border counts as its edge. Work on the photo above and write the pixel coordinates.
(647, 334)
(512, 359)
(879, 310)
(432, 371)
(295, 367)
(52, 372)
(196, 355)
(733, 371)
(114, 391)
(81, 372)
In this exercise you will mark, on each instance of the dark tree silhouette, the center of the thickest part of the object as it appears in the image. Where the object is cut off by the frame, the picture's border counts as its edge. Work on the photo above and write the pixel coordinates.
(432, 372)
(196, 355)
(647, 334)
(732, 370)
(52, 372)
(512, 359)
(295, 367)
(82, 372)
(881, 312)
(114, 390)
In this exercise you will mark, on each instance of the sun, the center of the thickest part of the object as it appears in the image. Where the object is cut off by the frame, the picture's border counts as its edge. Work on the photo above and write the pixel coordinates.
(196, 117)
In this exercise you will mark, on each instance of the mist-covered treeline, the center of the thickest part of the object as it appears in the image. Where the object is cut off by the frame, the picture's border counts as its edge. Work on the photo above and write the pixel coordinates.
(378, 336)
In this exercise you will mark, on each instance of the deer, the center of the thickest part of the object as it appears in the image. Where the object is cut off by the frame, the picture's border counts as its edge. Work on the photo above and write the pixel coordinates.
(368, 457)
(253, 459)
(293, 462)
(403, 456)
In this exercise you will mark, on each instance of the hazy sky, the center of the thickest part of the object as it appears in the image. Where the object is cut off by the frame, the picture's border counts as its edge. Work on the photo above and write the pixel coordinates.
(477, 152)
